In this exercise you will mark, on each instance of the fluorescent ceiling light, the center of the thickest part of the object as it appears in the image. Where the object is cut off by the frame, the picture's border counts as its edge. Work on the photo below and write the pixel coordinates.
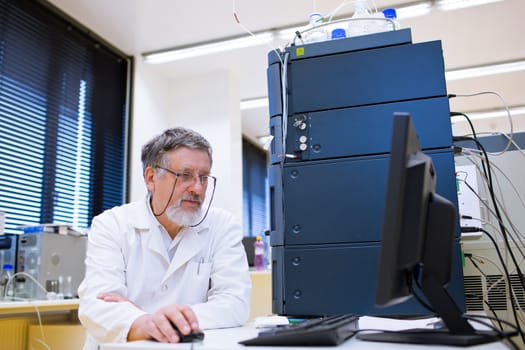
(446, 5)
(208, 48)
(287, 33)
(254, 103)
(265, 141)
(481, 71)
(416, 10)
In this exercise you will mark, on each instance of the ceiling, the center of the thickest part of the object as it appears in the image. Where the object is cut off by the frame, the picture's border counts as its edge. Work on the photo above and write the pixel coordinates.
(473, 36)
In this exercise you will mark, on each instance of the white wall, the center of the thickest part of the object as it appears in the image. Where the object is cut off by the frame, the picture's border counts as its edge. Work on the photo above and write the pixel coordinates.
(208, 104)
(149, 115)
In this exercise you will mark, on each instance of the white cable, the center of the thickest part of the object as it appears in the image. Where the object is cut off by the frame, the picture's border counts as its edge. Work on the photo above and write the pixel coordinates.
(334, 12)
(495, 229)
(487, 204)
(41, 327)
(505, 247)
(331, 14)
(284, 97)
(498, 201)
(518, 148)
(37, 311)
(243, 27)
(21, 273)
(522, 201)
(505, 105)
(492, 133)
(503, 279)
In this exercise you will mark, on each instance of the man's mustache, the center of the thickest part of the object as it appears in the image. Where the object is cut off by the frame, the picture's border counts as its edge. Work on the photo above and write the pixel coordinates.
(193, 198)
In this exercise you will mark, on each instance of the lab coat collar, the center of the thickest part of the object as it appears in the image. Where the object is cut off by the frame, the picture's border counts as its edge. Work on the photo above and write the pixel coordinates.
(189, 246)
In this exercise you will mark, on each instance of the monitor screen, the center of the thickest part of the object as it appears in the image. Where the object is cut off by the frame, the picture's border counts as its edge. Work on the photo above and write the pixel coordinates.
(418, 236)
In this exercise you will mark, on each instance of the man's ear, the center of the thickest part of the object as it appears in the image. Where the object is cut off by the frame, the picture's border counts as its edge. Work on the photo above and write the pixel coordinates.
(150, 176)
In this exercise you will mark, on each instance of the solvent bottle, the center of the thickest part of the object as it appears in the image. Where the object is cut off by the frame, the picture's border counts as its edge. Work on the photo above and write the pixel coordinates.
(258, 254)
(391, 14)
(363, 21)
(315, 32)
(7, 286)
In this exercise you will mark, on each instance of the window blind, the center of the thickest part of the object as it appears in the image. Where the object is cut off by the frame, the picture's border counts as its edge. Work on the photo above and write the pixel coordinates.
(63, 117)
(255, 189)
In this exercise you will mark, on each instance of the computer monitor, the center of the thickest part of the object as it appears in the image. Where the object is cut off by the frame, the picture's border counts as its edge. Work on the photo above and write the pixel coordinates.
(418, 235)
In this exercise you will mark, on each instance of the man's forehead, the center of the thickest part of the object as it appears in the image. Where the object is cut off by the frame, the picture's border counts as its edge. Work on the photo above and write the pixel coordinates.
(189, 159)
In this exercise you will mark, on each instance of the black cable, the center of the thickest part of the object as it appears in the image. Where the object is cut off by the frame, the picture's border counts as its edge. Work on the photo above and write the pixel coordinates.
(507, 323)
(501, 334)
(411, 278)
(499, 331)
(475, 296)
(169, 199)
(297, 36)
(453, 114)
(469, 229)
(480, 147)
(209, 204)
(496, 208)
(488, 176)
(471, 259)
(509, 285)
(171, 195)
(487, 172)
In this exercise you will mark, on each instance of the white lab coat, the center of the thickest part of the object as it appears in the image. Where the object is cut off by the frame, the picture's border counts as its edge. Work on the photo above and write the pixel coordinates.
(127, 255)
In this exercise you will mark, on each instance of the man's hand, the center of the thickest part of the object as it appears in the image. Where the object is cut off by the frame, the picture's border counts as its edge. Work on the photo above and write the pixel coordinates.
(159, 325)
(112, 297)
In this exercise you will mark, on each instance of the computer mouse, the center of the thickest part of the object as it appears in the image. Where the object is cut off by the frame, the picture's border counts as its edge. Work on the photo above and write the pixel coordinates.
(193, 336)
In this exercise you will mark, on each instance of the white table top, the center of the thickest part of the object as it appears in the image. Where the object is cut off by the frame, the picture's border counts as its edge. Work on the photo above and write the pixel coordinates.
(227, 338)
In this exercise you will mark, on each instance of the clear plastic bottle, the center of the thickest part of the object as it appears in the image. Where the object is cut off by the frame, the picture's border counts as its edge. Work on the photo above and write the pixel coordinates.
(5, 282)
(391, 14)
(68, 293)
(363, 21)
(315, 32)
(258, 254)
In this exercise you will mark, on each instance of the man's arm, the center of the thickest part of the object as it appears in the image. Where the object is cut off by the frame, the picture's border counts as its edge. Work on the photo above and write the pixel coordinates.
(105, 272)
(158, 326)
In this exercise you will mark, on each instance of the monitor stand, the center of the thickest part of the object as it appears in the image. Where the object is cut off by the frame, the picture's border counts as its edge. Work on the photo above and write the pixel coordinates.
(458, 332)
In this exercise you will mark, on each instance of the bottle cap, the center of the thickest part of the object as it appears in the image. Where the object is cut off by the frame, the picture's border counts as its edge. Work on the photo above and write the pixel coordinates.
(258, 238)
(315, 18)
(338, 33)
(390, 13)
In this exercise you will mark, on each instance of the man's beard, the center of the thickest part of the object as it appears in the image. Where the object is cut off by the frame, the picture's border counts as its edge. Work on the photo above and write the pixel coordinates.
(184, 217)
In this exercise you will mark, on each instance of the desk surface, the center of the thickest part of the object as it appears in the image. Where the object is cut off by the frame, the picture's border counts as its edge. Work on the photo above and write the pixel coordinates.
(225, 339)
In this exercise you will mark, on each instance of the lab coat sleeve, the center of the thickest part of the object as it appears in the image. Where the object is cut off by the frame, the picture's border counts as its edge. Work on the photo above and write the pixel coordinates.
(228, 303)
(105, 272)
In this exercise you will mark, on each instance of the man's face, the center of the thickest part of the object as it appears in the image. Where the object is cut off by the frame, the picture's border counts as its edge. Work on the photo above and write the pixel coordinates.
(185, 176)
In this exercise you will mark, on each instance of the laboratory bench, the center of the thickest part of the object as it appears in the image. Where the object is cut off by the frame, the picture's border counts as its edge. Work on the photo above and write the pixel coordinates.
(61, 330)
(30, 324)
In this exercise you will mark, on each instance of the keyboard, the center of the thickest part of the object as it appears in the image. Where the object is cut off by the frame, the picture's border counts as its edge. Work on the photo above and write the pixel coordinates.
(329, 330)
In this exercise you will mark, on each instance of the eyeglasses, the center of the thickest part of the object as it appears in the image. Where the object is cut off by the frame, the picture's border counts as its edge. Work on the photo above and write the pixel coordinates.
(187, 179)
